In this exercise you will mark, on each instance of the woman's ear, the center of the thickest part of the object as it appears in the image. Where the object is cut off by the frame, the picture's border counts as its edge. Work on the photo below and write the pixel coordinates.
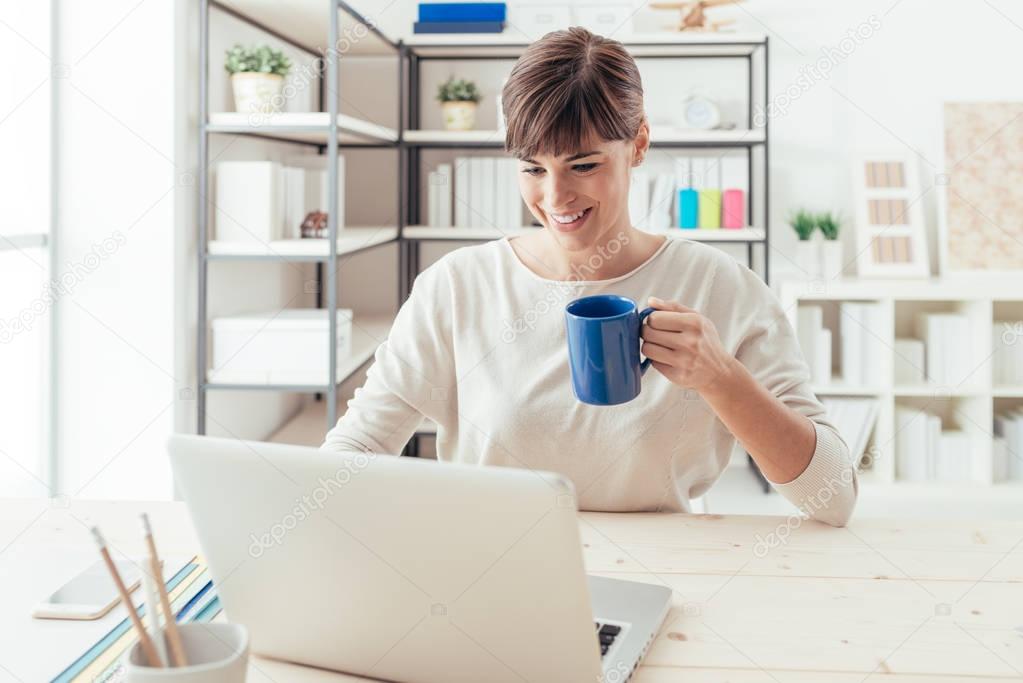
(642, 143)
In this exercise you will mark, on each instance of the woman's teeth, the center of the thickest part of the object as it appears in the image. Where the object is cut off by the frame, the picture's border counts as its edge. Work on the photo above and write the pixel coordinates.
(568, 218)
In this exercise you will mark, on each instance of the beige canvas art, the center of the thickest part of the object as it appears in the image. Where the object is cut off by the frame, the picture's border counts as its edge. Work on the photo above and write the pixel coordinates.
(983, 218)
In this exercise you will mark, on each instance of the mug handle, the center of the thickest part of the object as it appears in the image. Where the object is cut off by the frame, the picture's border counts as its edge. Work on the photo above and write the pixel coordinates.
(645, 365)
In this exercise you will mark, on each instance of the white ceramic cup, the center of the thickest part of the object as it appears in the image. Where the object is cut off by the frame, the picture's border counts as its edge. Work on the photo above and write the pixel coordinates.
(216, 653)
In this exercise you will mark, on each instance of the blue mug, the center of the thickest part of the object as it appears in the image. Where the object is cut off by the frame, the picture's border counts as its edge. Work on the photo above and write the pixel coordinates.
(603, 348)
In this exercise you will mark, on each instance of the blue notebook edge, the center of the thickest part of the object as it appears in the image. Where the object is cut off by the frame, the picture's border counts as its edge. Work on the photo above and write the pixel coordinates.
(458, 27)
(469, 11)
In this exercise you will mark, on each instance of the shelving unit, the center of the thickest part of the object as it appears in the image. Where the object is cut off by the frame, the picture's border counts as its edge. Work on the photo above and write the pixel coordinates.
(309, 26)
(968, 403)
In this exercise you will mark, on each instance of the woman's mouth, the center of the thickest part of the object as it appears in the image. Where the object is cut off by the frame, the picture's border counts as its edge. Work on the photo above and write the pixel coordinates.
(571, 221)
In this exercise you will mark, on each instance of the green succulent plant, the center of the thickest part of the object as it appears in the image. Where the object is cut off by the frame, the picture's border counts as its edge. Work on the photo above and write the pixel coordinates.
(804, 223)
(458, 90)
(829, 225)
(262, 59)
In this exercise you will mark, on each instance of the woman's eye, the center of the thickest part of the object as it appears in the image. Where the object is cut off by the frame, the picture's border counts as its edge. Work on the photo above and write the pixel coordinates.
(532, 171)
(584, 167)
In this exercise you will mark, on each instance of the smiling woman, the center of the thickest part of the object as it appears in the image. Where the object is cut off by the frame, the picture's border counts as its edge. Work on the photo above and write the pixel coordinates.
(480, 346)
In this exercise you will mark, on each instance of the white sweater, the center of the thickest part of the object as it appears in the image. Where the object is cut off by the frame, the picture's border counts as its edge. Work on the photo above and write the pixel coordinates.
(479, 347)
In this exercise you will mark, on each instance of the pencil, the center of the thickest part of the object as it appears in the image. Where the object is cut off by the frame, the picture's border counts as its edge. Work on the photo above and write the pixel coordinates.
(177, 650)
(147, 644)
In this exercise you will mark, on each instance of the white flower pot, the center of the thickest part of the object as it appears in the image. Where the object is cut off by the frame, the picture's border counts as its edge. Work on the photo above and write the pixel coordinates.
(831, 259)
(459, 115)
(808, 258)
(257, 92)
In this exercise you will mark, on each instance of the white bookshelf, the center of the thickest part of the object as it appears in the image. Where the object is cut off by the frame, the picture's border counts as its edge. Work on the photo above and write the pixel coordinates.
(301, 127)
(968, 403)
(349, 241)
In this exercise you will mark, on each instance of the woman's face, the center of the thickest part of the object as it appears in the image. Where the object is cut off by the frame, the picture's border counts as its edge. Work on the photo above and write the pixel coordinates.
(593, 182)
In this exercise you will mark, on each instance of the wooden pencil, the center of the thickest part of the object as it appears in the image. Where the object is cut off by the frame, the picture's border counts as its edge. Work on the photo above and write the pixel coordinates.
(177, 649)
(148, 649)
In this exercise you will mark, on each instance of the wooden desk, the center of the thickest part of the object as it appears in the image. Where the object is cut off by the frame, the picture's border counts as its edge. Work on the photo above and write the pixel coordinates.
(910, 601)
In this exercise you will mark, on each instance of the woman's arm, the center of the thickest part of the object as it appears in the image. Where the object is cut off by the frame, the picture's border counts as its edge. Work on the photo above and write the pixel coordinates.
(761, 394)
(411, 376)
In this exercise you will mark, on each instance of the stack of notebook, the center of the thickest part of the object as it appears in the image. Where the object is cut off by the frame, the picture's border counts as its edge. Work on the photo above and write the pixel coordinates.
(192, 598)
(460, 17)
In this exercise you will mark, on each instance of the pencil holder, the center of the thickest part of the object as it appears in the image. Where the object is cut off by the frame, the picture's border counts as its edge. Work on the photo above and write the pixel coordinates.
(216, 653)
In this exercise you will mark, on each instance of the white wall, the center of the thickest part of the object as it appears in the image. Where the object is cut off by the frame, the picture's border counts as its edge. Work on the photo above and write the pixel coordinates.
(116, 185)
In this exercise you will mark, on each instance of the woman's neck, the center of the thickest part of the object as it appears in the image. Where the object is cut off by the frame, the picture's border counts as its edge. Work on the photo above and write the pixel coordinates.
(612, 255)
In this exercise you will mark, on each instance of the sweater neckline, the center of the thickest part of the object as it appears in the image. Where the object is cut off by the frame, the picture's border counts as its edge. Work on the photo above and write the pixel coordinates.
(506, 240)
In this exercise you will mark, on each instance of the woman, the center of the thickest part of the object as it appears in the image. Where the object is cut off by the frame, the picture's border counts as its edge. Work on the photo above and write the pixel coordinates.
(479, 347)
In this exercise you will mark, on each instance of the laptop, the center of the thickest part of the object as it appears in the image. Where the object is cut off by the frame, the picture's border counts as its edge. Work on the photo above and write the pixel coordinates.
(409, 570)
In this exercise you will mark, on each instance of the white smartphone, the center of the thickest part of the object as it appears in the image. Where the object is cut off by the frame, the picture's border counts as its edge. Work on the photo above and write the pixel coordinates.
(89, 595)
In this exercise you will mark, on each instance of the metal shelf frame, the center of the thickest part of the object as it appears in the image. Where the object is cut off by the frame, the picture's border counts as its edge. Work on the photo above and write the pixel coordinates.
(326, 276)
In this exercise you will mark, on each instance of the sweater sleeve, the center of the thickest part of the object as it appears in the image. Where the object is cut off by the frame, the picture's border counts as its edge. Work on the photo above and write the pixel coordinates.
(769, 348)
(411, 376)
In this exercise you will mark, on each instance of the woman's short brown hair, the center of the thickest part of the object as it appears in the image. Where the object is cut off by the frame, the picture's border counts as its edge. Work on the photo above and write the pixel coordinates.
(566, 86)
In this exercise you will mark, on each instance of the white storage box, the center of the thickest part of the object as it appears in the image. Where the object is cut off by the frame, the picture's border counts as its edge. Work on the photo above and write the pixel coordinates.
(536, 19)
(285, 347)
(605, 19)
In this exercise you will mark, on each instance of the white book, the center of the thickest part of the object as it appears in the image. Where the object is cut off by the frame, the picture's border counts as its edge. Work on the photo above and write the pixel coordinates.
(488, 191)
(956, 348)
(933, 443)
(1015, 469)
(318, 176)
(433, 199)
(444, 189)
(909, 361)
(294, 201)
(247, 199)
(461, 197)
(501, 193)
(851, 342)
(999, 460)
(910, 444)
(998, 353)
(822, 357)
(734, 173)
(953, 456)
(514, 197)
(683, 171)
(662, 202)
(475, 193)
(639, 199)
(928, 328)
(809, 323)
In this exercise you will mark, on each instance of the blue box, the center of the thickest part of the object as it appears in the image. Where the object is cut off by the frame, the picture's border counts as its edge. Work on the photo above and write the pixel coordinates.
(458, 27)
(467, 11)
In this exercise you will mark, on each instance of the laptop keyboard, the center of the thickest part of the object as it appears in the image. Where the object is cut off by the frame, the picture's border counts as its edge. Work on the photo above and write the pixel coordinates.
(607, 634)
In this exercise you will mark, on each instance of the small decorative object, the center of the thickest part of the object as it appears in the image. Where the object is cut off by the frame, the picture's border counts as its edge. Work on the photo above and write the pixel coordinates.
(315, 224)
(458, 98)
(979, 196)
(700, 112)
(807, 250)
(692, 15)
(891, 238)
(257, 77)
(831, 248)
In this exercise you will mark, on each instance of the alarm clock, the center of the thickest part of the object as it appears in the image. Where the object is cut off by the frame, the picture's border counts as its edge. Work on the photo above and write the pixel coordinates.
(700, 112)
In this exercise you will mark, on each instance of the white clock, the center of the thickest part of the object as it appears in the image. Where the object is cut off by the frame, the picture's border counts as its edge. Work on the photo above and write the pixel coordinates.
(700, 112)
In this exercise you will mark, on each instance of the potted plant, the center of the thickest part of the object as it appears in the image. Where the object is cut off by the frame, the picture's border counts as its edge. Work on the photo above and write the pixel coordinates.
(257, 77)
(807, 253)
(831, 248)
(458, 98)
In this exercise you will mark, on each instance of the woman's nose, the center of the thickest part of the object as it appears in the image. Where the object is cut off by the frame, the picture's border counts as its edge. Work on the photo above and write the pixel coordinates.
(559, 192)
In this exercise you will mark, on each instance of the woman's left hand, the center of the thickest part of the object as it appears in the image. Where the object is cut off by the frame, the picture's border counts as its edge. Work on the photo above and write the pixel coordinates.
(684, 346)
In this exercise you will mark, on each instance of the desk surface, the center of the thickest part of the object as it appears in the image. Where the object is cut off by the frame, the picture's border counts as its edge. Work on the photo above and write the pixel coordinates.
(756, 598)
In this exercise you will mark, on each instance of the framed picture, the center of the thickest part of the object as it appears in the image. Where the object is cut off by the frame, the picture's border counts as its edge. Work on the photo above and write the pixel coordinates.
(891, 238)
(980, 189)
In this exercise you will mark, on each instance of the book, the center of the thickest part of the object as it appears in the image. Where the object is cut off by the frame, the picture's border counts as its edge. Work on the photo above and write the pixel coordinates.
(475, 192)
(461, 197)
(809, 322)
(661, 202)
(855, 419)
(444, 195)
(248, 202)
(488, 192)
(908, 356)
(462, 11)
(458, 27)
(910, 444)
(822, 357)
